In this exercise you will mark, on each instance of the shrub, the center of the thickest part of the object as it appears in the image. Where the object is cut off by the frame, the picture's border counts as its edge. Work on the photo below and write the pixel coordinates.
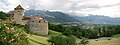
(84, 41)
(62, 40)
(2, 15)
(12, 35)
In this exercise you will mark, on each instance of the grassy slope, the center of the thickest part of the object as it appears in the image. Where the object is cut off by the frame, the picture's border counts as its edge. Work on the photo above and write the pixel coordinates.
(107, 42)
(39, 40)
(116, 36)
(53, 33)
(43, 40)
(33, 43)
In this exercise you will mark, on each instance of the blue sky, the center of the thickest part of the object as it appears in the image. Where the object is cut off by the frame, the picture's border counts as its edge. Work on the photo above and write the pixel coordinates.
(79, 7)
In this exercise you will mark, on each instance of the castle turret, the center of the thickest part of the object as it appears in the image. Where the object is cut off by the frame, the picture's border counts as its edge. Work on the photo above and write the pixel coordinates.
(18, 14)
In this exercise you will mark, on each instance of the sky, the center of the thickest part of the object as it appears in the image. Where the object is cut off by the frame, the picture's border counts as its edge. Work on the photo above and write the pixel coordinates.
(109, 8)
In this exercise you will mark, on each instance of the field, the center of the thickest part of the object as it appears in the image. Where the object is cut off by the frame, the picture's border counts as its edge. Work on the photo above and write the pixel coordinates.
(34, 39)
(107, 42)
(39, 40)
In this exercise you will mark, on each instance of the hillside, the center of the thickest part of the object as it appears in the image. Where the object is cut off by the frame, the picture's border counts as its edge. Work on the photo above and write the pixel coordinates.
(62, 17)
(38, 40)
(95, 19)
(51, 16)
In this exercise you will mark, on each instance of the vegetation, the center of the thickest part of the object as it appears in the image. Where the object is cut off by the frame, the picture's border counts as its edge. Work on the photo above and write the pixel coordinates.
(116, 36)
(53, 33)
(84, 41)
(33, 43)
(2, 15)
(99, 42)
(15, 34)
(107, 42)
(62, 40)
(11, 34)
(38, 39)
(95, 32)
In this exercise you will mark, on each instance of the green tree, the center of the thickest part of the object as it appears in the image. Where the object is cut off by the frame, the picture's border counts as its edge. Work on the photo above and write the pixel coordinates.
(56, 27)
(2, 15)
(62, 40)
(68, 31)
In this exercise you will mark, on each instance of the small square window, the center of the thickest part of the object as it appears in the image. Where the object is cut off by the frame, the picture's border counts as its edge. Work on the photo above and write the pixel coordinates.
(39, 21)
(32, 21)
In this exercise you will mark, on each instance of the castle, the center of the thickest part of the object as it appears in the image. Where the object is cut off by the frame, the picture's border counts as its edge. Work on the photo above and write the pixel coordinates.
(36, 24)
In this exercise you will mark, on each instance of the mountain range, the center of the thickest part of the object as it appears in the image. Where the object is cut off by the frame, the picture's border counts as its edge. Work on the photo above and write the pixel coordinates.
(51, 16)
(61, 17)
(97, 19)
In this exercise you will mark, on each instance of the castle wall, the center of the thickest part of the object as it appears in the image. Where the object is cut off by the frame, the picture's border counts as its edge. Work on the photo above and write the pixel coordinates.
(39, 28)
(24, 22)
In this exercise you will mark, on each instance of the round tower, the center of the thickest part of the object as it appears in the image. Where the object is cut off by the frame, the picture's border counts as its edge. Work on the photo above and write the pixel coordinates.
(18, 14)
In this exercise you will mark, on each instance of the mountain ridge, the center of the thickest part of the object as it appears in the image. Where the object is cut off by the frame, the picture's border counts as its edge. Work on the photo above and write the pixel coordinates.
(61, 17)
(52, 16)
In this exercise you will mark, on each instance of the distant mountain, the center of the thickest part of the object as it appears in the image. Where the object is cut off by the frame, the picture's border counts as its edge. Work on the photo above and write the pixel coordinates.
(95, 19)
(51, 16)
(61, 17)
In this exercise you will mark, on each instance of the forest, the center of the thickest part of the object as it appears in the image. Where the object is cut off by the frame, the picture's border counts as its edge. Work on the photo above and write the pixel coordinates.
(91, 33)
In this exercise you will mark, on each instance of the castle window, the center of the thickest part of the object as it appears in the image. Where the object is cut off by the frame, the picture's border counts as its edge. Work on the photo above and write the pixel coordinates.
(32, 21)
(39, 21)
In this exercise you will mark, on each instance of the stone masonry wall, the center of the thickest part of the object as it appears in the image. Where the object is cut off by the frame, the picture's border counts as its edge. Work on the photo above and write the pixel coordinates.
(24, 22)
(39, 28)
(18, 15)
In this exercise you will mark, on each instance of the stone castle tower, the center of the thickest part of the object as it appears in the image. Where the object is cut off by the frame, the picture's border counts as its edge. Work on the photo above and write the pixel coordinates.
(18, 14)
(36, 24)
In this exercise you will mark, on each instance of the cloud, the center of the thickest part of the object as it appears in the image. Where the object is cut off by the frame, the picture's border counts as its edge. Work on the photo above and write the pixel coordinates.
(44, 4)
(101, 7)
(7, 5)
